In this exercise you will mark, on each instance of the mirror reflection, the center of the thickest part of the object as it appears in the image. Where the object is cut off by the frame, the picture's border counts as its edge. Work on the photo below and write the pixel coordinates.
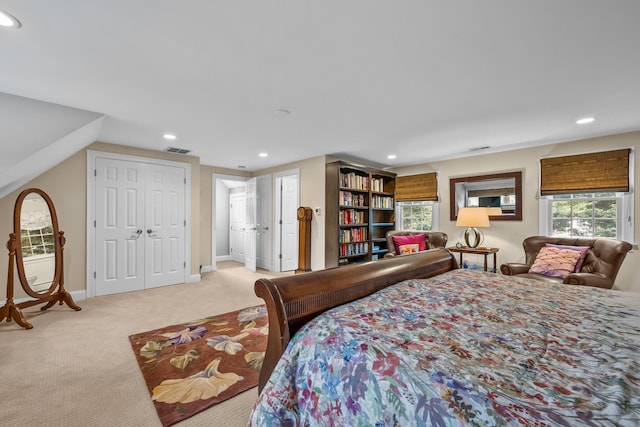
(37, 241)
(501, 193)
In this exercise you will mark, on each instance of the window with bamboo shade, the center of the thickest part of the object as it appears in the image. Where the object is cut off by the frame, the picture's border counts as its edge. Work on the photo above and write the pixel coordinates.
(417, 187)
(583, 173)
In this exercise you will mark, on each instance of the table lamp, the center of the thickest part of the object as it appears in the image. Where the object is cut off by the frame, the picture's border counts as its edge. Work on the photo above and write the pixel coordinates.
(472, 218)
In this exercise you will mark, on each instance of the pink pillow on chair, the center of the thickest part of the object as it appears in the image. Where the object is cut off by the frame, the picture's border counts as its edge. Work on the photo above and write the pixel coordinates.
(582, 249)
(555, 262)
(410, 240)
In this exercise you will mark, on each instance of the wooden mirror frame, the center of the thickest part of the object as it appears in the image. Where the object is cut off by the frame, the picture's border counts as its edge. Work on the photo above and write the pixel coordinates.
(517, 175)
(17, 228)
(56, 292)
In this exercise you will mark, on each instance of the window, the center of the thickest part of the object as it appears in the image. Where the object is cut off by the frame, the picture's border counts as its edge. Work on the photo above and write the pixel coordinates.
(417, 215)
(37, 241)
(604, 214)
(588, 195)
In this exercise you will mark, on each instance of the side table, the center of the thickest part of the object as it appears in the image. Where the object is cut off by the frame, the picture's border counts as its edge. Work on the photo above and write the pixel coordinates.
(478, 251)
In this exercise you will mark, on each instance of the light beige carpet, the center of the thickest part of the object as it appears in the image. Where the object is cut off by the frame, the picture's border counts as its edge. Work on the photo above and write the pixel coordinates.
(77, 368)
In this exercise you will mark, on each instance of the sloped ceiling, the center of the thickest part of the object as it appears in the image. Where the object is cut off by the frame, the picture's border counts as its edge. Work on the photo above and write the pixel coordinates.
(36, 135)
(424, 80)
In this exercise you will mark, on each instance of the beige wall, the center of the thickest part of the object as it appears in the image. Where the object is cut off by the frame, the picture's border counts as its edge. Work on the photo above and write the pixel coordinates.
(66, 184)
(508, 235)
(312, 195)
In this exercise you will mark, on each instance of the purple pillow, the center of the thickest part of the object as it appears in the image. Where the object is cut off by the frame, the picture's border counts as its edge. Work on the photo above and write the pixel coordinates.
(583, 253)
(410, 240)
(555, 262)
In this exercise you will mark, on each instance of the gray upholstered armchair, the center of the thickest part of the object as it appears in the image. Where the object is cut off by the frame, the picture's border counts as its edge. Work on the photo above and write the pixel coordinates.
(599, 267)
(433, 239)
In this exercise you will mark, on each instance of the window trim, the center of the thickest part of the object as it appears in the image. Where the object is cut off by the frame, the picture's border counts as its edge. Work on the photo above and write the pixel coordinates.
(624, 216)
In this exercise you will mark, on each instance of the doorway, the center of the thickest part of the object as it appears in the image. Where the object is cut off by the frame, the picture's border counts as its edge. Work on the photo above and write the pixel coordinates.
(138, 235)
(262, 239)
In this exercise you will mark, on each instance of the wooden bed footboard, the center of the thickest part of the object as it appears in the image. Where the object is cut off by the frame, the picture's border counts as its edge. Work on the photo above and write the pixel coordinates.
(293, 301)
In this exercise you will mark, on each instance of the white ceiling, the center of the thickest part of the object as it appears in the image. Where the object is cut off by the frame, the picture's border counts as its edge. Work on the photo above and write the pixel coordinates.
(423, 79)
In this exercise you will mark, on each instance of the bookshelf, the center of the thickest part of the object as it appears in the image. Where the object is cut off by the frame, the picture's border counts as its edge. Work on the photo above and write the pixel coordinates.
(359, 212)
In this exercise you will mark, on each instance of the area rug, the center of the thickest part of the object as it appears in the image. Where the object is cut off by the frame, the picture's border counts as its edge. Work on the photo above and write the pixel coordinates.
(193, 366)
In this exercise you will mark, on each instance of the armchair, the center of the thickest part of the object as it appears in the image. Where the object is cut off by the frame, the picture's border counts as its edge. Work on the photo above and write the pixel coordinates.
(433, 239)
(599, 268)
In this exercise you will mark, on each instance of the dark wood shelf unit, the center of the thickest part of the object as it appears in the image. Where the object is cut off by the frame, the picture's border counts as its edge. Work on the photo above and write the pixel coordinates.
(359, 198)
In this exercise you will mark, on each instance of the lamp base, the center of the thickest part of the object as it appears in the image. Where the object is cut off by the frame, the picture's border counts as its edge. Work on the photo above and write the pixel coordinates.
(472, 237)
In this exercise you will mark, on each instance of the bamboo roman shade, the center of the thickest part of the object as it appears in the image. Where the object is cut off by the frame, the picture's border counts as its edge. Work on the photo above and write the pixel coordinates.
(417, 187)
(603, 171)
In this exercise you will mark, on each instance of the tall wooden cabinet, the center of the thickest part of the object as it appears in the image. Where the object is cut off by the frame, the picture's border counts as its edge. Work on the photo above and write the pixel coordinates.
(359, 212)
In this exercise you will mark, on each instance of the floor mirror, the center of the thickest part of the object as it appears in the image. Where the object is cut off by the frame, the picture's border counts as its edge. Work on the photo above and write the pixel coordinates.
(36, 250)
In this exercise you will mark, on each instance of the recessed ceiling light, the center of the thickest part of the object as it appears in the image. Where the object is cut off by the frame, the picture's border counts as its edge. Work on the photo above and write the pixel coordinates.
(391, 156)
(585, 120)
(8, 20)
(283, 111)
(169, 136)
(242, 167)
(263, 155)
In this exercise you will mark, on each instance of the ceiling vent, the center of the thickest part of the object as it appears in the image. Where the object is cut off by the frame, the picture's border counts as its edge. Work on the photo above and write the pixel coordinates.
(177, 150)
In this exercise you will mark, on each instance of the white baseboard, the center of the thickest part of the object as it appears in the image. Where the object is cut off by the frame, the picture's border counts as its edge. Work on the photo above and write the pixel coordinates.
(194, 278)
(223, 258)
(76, 295)
(206, 269)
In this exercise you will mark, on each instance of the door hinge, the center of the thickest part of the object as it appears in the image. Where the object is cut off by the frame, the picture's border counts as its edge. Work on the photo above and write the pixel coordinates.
(185, 181)
(185, 264)
(94, 223)
(185, 222)
(280, 256)
(280, 222)
(95, 172)
(94, 274)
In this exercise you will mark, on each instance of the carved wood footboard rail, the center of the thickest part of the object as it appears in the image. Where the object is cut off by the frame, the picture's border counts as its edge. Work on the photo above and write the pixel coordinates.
(293, 301)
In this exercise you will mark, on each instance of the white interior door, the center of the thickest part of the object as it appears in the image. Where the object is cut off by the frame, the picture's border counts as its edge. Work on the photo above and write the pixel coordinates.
(237, 213)
(289, 228)
(251, 224)
(119, 224)
(165, 225)
(264, 254)
(139, 225)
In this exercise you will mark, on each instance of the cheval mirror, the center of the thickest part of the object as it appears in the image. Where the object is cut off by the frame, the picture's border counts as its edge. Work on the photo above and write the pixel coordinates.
(36, 246)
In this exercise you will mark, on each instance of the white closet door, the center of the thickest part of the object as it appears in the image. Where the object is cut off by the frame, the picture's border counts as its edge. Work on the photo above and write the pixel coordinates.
(251, 225)
(164, 225)
(289, 223)
(140, 225)
(119, 227)
(264, 258)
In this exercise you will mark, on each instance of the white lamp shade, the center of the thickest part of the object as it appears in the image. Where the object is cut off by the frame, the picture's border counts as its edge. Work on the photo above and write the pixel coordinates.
(473, 217)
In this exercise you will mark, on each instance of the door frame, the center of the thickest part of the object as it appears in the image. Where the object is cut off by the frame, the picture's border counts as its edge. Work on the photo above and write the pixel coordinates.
(277, 236)
(92, 155)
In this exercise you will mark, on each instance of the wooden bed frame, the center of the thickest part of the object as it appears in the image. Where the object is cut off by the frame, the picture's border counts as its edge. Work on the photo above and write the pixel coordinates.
(293, 301)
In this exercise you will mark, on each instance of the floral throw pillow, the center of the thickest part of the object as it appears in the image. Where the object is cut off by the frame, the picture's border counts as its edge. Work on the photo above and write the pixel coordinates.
(555, 262)
(409, 249)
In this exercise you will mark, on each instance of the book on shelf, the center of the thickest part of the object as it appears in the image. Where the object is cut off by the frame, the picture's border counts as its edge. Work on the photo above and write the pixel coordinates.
(354, 180)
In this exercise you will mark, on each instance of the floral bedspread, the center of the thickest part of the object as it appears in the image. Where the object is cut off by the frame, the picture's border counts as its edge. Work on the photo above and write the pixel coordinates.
(464, 348)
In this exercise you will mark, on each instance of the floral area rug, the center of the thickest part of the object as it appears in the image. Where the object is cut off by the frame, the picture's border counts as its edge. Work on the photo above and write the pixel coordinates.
(193, 366)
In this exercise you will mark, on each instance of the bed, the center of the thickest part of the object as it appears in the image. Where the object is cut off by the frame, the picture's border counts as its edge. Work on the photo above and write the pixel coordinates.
(413, 340)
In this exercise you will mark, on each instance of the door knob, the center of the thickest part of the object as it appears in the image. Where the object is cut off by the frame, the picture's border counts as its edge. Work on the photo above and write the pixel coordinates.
(136, 234)
(149, 231)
